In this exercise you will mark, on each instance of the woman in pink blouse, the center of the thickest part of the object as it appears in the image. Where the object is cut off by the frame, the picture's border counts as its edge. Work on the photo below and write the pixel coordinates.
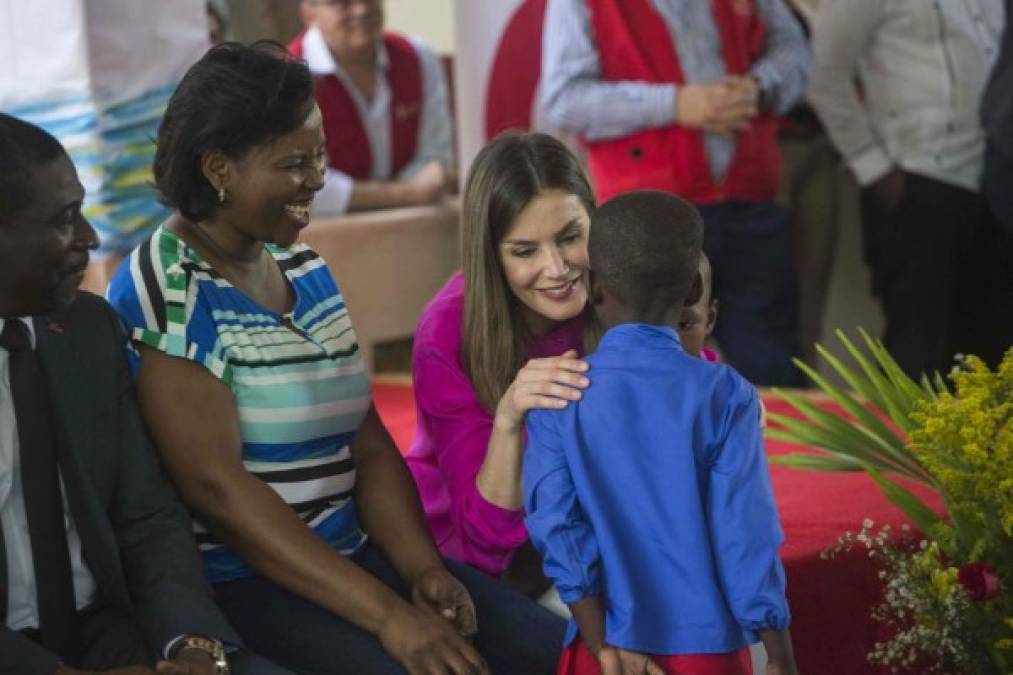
(502, 337)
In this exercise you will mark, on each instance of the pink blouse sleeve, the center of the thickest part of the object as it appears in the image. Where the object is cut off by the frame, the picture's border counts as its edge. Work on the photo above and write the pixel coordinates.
(460, 428)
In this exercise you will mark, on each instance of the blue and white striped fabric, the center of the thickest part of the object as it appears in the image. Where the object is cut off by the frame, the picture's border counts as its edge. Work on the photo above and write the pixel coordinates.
(112, 146)
(301, 396)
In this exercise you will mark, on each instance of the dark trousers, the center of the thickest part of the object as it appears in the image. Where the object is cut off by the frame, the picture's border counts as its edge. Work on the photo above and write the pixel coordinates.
(107, 637)
(920, 254)
(749, 247)
(983, 318)
(516, 636)
(995, 184)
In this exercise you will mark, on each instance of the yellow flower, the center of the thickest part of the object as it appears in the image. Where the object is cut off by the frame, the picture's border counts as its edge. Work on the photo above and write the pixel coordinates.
(965, 441)
(944, 581)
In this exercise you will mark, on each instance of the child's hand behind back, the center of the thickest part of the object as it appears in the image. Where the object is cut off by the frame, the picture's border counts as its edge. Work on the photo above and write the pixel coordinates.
(615, 661)
(781, 669)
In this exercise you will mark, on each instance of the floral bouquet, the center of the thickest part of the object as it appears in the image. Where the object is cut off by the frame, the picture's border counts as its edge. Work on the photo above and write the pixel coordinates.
(948, 596)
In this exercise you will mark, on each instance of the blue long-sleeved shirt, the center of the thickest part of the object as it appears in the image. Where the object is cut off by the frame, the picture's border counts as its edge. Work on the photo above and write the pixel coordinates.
(653, 492)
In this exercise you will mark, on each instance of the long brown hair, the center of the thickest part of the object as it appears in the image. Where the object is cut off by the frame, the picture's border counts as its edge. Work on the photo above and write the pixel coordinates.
(505, 176)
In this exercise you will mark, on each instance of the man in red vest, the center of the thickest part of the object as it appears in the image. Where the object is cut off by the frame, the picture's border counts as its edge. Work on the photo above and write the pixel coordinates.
(681, 96)
(383, 98)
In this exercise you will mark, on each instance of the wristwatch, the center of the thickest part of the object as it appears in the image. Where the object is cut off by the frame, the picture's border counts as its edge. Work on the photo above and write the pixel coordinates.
(210, 646)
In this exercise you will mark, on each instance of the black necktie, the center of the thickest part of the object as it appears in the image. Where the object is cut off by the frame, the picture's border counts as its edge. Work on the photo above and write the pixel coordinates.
(41, 486)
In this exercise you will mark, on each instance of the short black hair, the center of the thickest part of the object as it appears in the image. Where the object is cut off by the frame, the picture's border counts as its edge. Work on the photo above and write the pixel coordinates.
(234, 98)
(644, 245)
(23, 148)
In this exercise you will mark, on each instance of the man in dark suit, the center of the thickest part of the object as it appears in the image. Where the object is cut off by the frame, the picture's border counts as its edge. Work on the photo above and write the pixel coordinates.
(98, 569)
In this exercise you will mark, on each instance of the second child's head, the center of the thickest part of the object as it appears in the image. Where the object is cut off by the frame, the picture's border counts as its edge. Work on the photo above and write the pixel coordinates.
(698, 318)
(644, 252)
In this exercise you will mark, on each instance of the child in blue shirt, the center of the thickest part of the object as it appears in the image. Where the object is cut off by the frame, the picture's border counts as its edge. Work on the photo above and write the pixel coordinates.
(650, 498)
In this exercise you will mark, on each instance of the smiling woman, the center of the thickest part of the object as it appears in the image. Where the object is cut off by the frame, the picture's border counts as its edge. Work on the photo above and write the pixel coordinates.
(544, 258)
(498, 340)
(256, 396)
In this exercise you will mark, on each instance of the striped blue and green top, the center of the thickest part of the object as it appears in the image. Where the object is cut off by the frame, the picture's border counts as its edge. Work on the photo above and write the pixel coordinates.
(301, 394)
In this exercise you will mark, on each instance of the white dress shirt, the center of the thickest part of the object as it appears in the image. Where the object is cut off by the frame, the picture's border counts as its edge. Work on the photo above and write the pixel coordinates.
(922, 65)
(22, 602)
(574, 98)
(434, 141)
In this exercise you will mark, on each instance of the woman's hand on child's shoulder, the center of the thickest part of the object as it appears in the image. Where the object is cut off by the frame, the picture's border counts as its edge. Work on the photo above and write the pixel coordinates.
(614, 661)
(542, 383)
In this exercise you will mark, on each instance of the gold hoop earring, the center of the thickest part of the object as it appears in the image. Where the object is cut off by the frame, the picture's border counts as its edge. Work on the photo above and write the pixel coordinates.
(222, 196)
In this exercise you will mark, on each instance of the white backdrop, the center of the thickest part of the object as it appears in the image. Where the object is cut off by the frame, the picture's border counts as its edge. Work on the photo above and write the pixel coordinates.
(491, 33)
(97, 75)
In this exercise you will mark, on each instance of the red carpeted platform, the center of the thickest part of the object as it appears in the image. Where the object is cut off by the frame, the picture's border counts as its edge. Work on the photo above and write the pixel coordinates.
(830, 599)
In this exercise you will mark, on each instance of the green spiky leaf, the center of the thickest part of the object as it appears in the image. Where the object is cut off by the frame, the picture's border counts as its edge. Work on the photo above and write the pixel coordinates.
(914, 508)
(830, 462)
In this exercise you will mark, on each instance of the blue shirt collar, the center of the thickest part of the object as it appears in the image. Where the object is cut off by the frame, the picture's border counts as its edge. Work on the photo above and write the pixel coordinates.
(640, 335)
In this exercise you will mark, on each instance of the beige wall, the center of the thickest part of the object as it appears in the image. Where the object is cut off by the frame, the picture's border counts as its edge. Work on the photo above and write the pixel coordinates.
(431, 20)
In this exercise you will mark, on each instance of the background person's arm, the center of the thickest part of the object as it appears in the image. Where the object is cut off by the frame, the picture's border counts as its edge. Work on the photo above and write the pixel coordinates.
(572, 96)
(783, 70)
(342, 193)
(435, 141)
(842, 34)
(426, 186)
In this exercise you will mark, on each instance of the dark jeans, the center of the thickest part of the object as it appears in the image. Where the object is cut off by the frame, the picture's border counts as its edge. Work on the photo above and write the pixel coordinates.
(749, 247)
(516, 636)
(918, 253)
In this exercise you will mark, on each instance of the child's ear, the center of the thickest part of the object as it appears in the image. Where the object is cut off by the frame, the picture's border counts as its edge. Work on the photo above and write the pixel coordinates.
(595, 294)
(712, 316)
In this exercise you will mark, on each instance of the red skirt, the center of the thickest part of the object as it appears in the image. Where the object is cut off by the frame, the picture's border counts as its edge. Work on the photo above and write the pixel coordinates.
(578, 660)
